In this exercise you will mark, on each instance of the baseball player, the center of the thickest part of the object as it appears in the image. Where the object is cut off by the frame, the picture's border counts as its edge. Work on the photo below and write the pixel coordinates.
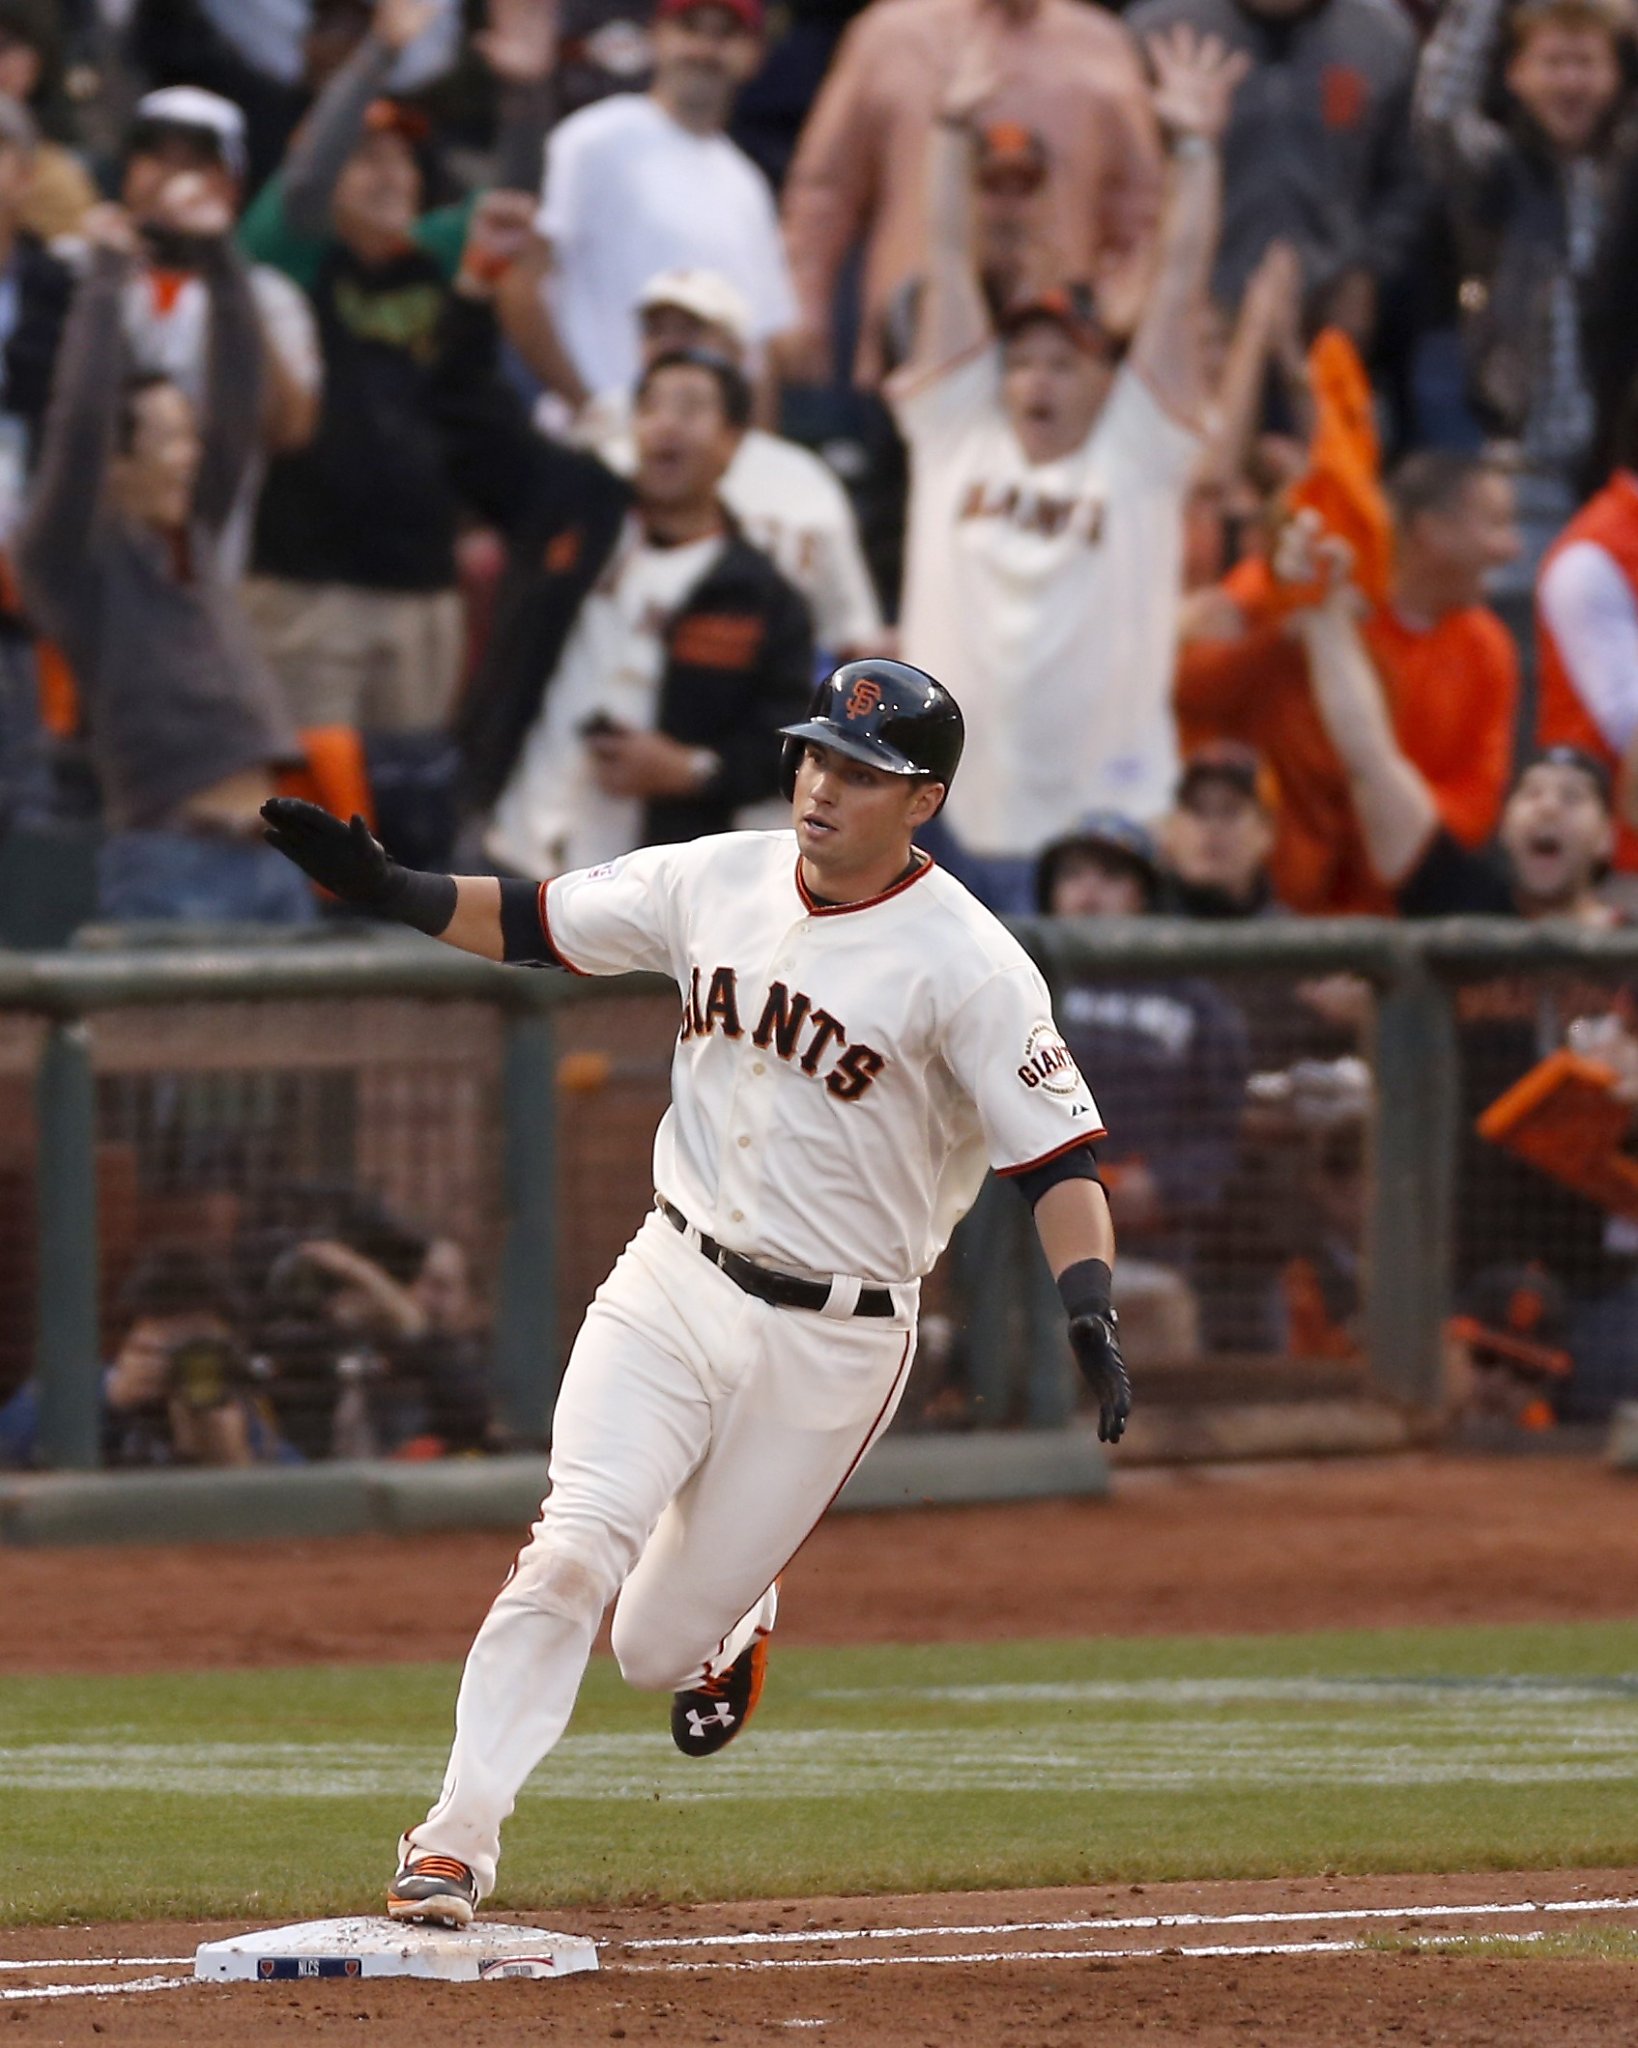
(859, 1041)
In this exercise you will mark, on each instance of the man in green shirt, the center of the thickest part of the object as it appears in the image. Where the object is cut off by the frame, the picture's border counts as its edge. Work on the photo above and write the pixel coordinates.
(352, 592)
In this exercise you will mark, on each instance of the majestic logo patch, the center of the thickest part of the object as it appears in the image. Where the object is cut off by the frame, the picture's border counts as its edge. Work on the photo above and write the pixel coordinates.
(1047, 1062)
(866, 696)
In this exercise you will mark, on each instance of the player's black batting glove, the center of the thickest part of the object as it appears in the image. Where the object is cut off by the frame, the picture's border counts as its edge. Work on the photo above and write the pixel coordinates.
(351, 863)
(1097, 1353)
(1094, 1337)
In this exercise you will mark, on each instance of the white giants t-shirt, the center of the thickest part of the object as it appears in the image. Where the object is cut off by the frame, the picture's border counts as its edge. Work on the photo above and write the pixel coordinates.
(629, 193)
(1046, 596)
(552, 815)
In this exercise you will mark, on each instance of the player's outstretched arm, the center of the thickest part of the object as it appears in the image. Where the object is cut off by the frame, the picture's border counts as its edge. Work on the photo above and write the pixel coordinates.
(1073, 1223)
(349, 861)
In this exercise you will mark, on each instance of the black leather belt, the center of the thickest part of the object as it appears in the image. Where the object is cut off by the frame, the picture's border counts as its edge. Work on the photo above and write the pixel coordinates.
(784, 1290)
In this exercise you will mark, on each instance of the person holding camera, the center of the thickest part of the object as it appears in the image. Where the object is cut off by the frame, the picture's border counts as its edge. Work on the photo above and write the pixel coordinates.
(373, 1343)
(181, 1388)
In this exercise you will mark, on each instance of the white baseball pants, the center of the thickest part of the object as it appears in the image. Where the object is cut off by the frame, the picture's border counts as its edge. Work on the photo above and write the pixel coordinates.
(699, 1435)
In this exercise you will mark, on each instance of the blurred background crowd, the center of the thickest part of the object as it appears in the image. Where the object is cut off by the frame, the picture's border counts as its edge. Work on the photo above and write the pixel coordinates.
(491, 415)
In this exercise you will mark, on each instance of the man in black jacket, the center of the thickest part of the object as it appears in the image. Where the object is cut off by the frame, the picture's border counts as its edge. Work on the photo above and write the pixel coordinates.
(644, 655)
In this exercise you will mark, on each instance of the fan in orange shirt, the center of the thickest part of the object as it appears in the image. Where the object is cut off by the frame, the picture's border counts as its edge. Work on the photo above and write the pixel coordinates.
(1447, 663)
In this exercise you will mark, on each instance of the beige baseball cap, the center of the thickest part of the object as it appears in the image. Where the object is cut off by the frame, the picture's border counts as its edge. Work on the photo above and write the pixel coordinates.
(706, 294)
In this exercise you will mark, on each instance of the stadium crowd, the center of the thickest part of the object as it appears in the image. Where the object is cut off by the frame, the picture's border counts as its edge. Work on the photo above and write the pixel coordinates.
(490, 416)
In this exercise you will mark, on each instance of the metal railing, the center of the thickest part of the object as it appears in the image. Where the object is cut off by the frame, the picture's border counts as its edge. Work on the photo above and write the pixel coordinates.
(1413, 972)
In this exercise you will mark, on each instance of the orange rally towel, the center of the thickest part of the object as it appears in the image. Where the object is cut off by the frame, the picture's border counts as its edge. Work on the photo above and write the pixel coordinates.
(1343, 480)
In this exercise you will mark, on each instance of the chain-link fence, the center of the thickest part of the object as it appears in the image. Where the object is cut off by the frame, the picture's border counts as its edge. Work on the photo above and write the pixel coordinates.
(1544, 1238)
(354, 1199)
(1239, 1113)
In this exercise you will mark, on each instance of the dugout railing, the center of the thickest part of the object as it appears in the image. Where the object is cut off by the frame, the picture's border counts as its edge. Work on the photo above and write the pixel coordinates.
(553, 1084)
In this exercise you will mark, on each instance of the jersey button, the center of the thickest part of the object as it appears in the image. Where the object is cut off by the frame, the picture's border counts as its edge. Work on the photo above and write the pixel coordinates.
(759, 1068)
(738, 1216)
(743, 1143)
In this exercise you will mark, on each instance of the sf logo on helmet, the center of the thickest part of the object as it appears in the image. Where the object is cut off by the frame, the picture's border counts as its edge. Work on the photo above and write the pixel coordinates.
(866, 696)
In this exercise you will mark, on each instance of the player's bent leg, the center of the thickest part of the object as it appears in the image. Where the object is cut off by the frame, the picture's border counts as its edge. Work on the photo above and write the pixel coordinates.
(631, 1422)
(698, 1605)
(657, 1663)
(712, 1705)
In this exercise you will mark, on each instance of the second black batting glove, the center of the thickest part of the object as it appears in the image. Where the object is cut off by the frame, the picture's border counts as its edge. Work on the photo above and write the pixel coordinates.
(1096, 1344)
(352, 864)
(1094, 1336)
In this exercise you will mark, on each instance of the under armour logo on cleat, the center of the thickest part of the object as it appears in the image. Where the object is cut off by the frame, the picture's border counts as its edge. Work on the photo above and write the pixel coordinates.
(699, 1723)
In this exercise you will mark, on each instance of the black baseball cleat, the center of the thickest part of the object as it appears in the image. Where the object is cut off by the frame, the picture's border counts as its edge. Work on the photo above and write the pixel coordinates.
(433, 1888)
(707, 1717)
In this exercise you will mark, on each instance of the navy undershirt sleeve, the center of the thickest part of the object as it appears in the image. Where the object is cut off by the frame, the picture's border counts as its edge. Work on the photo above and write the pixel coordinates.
(523, 933)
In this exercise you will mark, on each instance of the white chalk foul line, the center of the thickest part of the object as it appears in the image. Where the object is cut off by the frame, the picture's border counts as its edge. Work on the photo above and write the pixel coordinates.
(1217, 1950)
(99, 1963)
(95, 1990)
(1135, 1923)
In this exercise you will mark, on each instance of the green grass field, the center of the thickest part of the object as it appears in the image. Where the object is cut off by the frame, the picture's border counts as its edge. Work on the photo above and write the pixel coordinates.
(281, 1793)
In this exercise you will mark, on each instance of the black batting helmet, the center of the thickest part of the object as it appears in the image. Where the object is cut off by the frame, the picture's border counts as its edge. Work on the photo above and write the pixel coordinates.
(886, 714)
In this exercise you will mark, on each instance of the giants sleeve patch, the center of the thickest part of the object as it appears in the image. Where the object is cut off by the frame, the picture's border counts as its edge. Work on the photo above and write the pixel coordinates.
(1047, 1064)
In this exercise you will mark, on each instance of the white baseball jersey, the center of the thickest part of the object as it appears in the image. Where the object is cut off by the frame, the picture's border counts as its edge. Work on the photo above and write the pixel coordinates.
(843, 1074)
(1045, 596)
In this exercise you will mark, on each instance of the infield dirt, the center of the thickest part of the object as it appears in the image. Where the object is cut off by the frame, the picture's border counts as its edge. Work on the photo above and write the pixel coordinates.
(1156, 1993)
(1392, 1543)
(1384, 1543)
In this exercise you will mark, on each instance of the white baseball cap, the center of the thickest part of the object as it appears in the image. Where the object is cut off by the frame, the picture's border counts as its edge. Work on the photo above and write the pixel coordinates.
(190, 106)
(706, 294)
